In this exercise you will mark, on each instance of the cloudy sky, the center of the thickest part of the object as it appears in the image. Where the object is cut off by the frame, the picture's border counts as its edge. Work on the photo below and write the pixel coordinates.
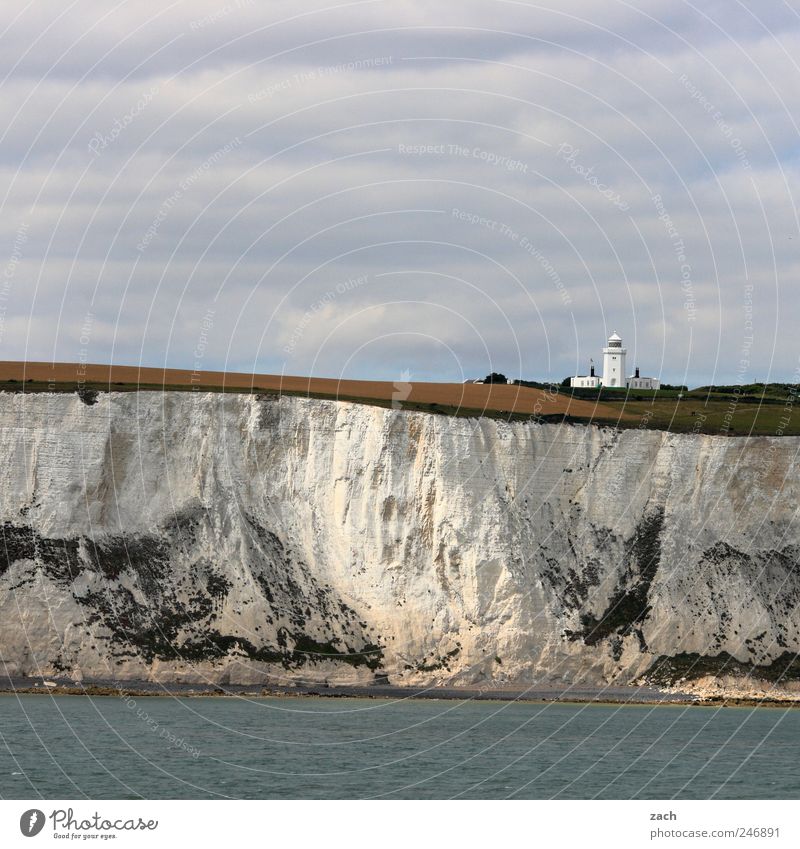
(375, 188)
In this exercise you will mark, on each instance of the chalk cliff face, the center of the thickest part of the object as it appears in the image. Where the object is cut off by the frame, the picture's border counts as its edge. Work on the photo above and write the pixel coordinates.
(234, 538)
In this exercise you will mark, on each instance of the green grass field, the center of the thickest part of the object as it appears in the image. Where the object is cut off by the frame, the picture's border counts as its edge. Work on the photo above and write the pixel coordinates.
(756, 409)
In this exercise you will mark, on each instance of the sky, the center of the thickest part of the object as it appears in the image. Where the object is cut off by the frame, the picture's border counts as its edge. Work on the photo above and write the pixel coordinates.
(403, 190)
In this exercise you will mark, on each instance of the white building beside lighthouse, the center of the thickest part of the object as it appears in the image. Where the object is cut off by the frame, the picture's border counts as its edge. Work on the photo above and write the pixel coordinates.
(614, 373)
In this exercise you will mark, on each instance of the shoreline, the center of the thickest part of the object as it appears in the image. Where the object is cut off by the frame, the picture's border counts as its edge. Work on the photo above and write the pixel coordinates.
(620, 695)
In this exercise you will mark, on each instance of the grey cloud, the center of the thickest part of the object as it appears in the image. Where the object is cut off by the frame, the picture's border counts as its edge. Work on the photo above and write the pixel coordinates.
(159, 223)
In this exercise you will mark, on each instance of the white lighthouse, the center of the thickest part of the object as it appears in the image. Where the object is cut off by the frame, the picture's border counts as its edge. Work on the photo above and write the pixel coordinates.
(614, 362)
(614, 371)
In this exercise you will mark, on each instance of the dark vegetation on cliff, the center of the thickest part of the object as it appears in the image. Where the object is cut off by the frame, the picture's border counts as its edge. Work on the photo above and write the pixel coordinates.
(688, 666)
(629, 604)
(128, 588)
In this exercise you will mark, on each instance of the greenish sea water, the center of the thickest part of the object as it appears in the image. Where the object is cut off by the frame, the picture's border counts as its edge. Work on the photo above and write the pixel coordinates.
(108, 747)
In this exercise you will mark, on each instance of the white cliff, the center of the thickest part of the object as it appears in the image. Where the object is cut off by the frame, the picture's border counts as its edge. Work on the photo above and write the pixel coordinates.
(236, 538)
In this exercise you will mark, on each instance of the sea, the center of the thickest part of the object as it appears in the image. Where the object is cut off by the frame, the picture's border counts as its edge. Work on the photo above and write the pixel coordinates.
(241, 747)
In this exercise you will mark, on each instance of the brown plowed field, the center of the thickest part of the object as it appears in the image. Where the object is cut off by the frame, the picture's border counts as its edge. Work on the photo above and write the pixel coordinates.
(491, 398)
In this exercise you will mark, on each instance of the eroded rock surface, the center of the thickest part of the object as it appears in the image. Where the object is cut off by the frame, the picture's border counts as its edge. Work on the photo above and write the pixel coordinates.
(213, 538)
